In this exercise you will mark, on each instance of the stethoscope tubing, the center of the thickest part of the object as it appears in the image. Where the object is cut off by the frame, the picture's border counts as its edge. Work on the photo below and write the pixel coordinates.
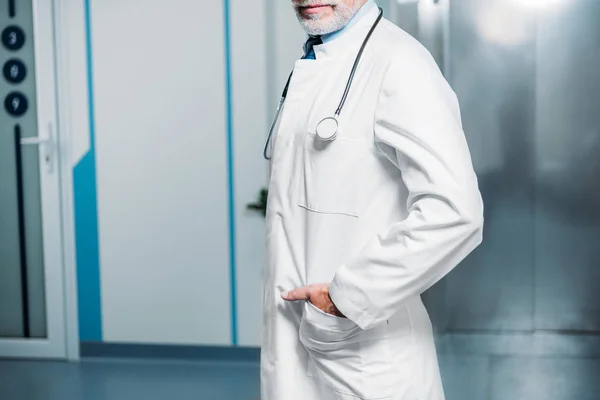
(344, 95)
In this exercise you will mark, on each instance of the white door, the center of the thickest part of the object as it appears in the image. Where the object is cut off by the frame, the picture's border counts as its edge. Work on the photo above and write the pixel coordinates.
(32, 316)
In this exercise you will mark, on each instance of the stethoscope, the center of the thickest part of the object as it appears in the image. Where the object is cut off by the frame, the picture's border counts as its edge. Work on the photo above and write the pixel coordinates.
(327, 128)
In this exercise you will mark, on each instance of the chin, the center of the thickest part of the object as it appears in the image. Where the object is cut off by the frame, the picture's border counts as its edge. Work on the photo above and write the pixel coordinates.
(317, 26)
(324, 22)
(315, 29)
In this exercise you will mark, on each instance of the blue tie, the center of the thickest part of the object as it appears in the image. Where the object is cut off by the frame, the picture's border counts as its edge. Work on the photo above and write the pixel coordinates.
(309, 52)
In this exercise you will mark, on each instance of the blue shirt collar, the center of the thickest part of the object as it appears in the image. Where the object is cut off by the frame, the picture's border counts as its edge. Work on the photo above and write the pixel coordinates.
(364, 10)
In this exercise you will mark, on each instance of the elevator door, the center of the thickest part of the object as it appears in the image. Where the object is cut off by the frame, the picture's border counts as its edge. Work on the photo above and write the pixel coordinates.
(567, 143)
(31, 275)
(527, 76)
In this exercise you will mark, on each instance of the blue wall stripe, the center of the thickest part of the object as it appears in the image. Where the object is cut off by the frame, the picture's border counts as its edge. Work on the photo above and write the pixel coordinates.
(86, 219)
(230, 174)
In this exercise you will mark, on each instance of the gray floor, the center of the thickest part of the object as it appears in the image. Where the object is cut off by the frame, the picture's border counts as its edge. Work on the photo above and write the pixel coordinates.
(469, 373)
(127, 380)
(520, 378)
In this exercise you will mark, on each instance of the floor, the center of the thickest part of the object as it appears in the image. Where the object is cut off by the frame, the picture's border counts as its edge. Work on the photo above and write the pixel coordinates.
(128, 380)
(467, 375)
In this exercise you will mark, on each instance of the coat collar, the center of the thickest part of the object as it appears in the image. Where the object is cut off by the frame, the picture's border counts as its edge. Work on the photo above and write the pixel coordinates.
(351, 37)
(362, 12)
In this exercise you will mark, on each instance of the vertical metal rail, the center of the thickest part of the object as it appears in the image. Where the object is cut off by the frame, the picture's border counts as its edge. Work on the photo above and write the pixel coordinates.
(22, 236)
(11, 8)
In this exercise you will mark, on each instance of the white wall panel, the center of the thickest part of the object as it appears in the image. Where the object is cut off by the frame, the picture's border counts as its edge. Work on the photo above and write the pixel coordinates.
(249, 89)
(75, 67)
(287, 45)
(159, 80)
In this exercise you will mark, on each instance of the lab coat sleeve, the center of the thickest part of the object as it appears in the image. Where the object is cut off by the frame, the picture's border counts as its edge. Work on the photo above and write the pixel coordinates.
(417, 125)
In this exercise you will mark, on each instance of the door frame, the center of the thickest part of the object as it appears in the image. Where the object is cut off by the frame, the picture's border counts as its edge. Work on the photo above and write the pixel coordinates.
(62, 51)
(62, 340)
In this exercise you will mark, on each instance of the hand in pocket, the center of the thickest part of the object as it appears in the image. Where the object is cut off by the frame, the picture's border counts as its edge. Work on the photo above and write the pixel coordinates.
(316, 294)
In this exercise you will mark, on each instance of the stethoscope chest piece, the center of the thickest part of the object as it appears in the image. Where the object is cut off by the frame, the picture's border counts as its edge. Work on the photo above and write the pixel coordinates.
(327, 129)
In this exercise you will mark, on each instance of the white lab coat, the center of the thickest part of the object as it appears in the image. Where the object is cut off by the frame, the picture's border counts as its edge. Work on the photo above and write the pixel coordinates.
(383, 212)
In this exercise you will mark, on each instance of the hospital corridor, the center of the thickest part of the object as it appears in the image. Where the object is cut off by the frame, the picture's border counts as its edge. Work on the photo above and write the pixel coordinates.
(143, 197)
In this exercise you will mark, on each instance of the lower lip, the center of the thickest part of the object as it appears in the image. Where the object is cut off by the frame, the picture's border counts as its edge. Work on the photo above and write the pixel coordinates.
(314, 10)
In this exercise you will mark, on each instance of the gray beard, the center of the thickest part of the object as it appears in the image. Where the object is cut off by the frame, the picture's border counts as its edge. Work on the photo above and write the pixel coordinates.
(342, 14)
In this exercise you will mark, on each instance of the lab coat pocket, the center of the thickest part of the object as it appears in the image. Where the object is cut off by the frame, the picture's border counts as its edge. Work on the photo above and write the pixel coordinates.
(350, 360)
(332, 175)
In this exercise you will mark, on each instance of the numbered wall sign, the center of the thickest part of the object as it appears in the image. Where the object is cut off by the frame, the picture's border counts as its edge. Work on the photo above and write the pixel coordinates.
(14, 71)
(13, 37)
(16, 104)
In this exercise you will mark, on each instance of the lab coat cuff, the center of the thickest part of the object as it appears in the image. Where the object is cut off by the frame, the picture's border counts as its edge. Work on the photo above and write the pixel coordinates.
(341, 299)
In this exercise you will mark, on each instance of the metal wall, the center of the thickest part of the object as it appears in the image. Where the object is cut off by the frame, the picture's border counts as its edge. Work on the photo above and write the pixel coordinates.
(528, 80)
(567, 144)
(493, 71)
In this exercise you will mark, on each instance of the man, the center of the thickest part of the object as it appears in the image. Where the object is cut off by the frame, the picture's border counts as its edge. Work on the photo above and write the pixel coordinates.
(359, 227)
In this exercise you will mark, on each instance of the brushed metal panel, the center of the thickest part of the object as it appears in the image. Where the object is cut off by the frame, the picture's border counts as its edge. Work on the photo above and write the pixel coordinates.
(528, 81)
(568, 168)
(493, 74)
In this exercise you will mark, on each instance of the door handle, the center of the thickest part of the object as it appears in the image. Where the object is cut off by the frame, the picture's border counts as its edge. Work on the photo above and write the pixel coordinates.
(261, 204)
(48, 145)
